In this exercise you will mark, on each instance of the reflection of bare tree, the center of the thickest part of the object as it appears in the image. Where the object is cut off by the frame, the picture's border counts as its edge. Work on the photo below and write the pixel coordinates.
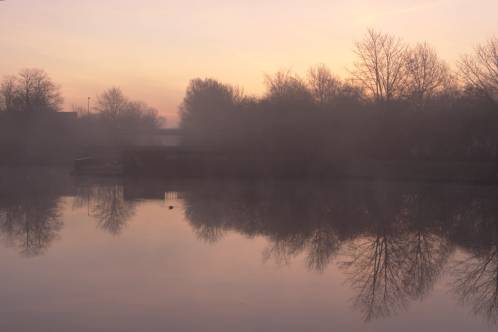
(282, 250)
(389, 269)
(106, 203)
(319, 246)
(396, 239)
(374, 268)
(476, 283)
(400, 255)
(207, 217)
(31, 223)
(323, 245)
(375, 260)
(110, 208)
(209, 233)
(427, 254)
(295, 218)
(475, 274)
(427, 249)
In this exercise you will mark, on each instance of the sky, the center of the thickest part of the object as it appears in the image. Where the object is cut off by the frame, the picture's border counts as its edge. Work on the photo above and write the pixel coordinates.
(151, 49)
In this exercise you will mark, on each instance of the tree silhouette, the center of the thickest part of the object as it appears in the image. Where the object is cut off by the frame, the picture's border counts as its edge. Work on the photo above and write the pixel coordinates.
(123, 116)
(207, 111)
(32, 90)
(380, 67)
(427, 75)
(480, 70)
(288, 92)
(331, 93)
(323, 85)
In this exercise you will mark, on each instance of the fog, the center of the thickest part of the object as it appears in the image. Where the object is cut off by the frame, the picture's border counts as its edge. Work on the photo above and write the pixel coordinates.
(401, 102)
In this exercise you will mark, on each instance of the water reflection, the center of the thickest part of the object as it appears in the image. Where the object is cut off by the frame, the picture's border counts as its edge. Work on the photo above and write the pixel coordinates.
(105, 202)
(30, 224)
(30, 217)
(476, 275)
(476, 283)
(393, 266)
(392, 241)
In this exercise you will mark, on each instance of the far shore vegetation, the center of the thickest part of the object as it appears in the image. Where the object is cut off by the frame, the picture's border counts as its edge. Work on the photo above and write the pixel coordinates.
(399, 102)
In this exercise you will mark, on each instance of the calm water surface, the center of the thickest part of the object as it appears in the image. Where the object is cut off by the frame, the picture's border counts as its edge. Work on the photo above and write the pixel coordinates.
(225, 255)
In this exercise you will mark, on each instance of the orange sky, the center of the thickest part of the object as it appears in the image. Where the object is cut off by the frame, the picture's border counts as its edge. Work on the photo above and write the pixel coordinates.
(152, 48)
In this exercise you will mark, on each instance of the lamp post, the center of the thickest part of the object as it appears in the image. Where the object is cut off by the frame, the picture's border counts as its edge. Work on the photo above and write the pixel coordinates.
(88, 106)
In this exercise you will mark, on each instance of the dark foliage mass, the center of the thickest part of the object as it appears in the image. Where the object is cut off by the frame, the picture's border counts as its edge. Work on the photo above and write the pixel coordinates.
(31, 90)
(33, 130)
(400, 103)
(117, 120)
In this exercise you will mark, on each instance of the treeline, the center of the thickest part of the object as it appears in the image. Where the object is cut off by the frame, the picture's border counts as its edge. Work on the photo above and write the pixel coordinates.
(117, 119)
(400, 102)
(33, 128)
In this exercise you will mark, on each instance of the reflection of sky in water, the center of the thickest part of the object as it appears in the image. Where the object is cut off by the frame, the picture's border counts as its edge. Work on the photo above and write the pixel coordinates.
(224, 259)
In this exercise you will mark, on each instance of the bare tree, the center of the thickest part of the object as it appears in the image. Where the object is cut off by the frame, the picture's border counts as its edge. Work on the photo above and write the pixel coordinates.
(112, 104)
(146, 116)
(480, 69)
(427, 75)
(8, 94)
(323, 85)
(32, 90)
(38, 92)
(120, 113)
(288, 91)
(380, 67)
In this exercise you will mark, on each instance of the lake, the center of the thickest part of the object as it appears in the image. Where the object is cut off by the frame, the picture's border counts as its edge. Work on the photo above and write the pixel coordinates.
(104, 254)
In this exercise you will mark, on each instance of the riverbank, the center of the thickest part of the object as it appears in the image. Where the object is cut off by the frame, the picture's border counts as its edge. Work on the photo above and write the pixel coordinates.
(176, 162)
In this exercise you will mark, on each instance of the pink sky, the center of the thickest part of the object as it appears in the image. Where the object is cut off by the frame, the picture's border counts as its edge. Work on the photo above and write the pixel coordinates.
(152, 48)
